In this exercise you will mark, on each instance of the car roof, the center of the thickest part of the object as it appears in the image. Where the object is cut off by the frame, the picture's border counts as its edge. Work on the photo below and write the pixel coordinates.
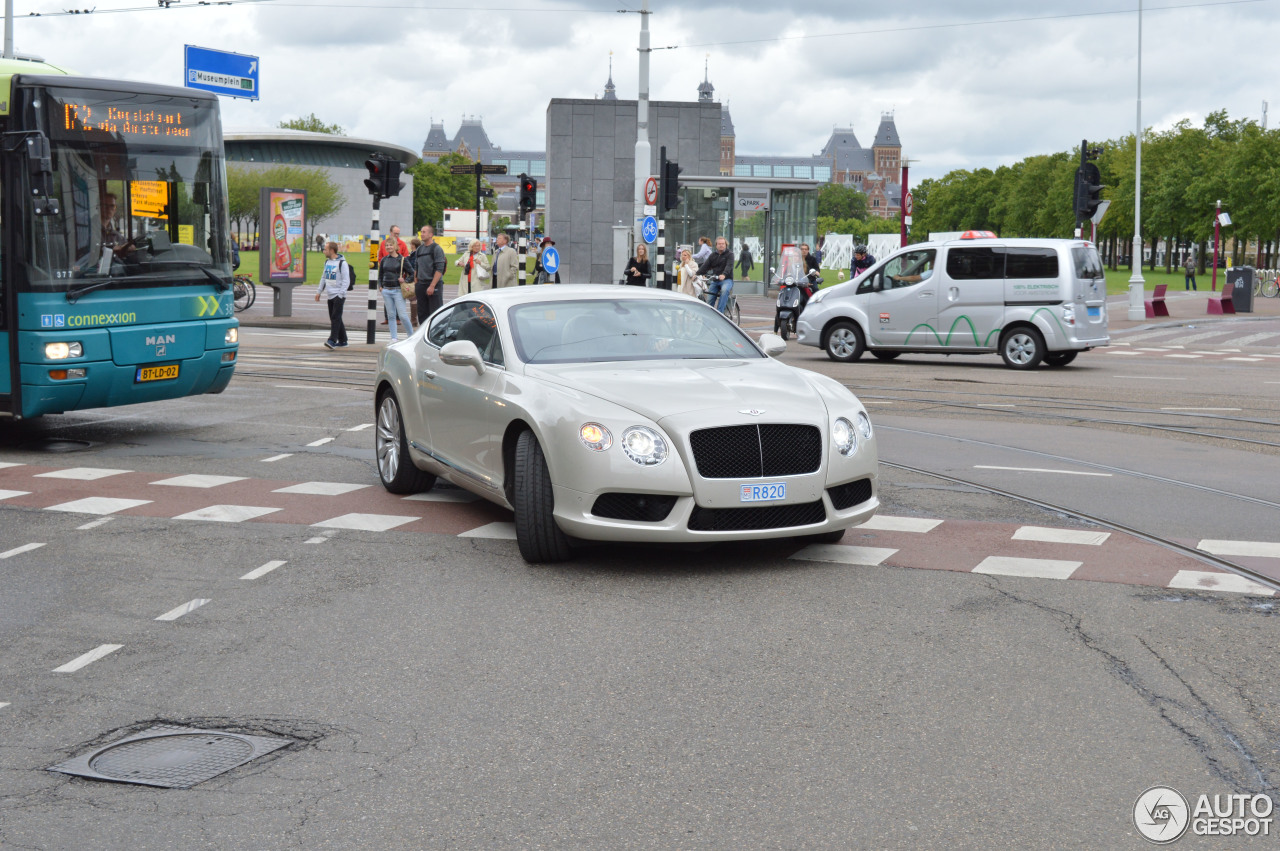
(538, 293)
(1023, 242)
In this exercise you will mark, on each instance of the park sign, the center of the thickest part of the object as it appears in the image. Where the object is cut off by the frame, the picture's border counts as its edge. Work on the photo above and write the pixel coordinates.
(751, 202)
(229, 74)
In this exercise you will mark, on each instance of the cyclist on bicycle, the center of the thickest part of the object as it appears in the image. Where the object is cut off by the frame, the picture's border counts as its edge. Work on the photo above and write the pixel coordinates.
(862, 261)
(718, 268)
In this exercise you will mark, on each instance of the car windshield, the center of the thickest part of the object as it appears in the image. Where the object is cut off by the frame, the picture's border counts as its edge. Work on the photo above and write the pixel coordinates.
(625, 329)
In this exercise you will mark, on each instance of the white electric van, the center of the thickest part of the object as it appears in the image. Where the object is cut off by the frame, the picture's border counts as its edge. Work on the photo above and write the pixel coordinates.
(1031, 300)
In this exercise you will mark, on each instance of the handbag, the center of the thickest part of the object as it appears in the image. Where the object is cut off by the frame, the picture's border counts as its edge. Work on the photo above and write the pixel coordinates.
(406, 287)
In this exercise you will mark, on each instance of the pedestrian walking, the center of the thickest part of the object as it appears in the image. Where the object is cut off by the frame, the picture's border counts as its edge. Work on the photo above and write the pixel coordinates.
(688, 272)
(394, 270)
(506, 262)
(333, 283)
(475, 269)
(542, 276)
(719, 269)
(745, 263)
(703, 252)
(428, 271)
(1189, 270)
(638, 268)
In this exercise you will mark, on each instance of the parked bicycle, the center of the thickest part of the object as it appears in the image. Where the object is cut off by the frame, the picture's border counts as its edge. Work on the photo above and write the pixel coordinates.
(245, 292)
(1267, 288)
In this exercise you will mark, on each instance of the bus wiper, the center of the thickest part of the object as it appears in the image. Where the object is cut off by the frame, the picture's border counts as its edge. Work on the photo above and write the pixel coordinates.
(191, 264)
(73, 295)
(216, 278)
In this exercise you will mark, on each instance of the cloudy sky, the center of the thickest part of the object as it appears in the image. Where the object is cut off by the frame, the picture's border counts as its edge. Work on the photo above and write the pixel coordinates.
(972, 84)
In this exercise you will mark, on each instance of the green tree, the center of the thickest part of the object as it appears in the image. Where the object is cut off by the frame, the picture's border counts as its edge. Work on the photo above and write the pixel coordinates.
(325, 198)
(841, 202)
(435, 187)
(313, 125)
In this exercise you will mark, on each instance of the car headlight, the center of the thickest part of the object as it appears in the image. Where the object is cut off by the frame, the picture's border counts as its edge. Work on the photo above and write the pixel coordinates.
(595, 437)
(62, 351)
(232, 336)
(818, 296)
(844, 437)
(644, 446)
(864, 425)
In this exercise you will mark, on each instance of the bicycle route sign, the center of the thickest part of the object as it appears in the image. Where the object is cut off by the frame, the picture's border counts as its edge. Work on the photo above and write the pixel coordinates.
(649, 229)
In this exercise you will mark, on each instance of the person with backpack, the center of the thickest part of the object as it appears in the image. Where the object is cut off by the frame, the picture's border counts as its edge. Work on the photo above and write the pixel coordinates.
(428, 268)
(335, 280)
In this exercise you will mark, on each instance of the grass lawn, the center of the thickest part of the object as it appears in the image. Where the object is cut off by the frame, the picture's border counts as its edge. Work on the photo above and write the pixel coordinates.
(315, 265)
(1118, 281)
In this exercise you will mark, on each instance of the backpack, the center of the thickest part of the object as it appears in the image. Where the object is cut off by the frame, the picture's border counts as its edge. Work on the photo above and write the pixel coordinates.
(351, 274)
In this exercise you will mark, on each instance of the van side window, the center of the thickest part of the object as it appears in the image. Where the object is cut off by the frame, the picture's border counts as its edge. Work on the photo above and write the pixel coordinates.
(975, 264)
(909, 269)
(1031, 263)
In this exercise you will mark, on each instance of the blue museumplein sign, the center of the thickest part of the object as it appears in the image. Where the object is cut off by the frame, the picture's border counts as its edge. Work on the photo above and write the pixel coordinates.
(229, 74)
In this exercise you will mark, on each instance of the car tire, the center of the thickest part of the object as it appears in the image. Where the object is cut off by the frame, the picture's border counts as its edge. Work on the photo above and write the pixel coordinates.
(885, 356)
(844, 342)
(1022, 348)
(391, 451)
(540, 539)
(1059, 358)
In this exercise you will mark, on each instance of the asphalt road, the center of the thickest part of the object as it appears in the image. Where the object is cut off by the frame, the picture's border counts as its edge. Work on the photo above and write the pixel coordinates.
(443, 694)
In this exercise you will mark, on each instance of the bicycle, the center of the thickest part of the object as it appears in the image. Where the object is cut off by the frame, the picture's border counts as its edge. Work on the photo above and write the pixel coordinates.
(731, 309)
(1269, 289)
(245, 292)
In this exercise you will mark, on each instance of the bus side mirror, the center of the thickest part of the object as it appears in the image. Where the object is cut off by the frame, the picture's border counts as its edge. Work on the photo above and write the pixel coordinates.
(40, 169)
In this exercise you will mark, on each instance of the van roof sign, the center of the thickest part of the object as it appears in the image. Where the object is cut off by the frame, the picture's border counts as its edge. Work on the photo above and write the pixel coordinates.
(978, 234)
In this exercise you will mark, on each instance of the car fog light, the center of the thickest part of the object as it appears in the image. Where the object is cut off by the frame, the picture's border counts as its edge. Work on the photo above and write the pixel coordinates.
(864, 425)
(595, 436)
(644, 446)
(843, 436)
(228, 357)
(232, 337)
(62, 351)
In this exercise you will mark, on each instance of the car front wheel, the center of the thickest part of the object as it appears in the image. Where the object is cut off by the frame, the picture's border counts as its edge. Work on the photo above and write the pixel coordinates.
(1022, 348)
(395, 468)
(844, 342)
(540, 539)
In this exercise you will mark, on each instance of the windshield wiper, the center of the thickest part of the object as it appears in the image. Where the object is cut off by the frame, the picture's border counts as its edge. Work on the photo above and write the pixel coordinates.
(73, 295)
(215, 277)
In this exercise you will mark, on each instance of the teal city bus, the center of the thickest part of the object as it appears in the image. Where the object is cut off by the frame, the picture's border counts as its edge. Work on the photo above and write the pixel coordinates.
(115, 260)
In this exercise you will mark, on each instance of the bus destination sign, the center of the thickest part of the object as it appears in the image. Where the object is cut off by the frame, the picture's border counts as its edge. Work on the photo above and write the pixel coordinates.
(127, 121)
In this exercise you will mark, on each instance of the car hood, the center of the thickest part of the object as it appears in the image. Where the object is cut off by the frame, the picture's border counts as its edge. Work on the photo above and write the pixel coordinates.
(659, 389)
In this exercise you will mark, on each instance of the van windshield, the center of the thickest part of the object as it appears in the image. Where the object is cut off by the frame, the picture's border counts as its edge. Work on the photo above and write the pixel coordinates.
(1087, 262)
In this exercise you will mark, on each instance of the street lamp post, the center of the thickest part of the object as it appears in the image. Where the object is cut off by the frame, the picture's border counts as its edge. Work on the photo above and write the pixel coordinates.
(1137, 285)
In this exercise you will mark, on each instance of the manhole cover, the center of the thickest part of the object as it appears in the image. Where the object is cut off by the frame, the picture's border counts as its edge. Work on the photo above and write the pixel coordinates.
(53, 445)
(171, 757)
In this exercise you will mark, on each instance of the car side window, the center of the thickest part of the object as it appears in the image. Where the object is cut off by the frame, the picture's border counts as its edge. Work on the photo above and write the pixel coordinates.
(444, 326)
(468, 321)
(975, 264)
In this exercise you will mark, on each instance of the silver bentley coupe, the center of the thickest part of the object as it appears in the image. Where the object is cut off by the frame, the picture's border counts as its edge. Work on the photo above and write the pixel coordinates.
(612, 413)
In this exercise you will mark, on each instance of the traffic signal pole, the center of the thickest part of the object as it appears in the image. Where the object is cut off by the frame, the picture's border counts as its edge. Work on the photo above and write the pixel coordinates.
(371, 319)
(643, 155)
(479, 169)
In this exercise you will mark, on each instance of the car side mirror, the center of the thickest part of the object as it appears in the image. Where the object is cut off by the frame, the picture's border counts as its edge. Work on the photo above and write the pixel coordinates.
(462, 353)
(772, 344)
(877, 283)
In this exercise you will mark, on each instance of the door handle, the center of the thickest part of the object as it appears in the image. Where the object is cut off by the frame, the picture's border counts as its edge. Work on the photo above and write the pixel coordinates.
(928, 294)
(428, 374)
(953, 294)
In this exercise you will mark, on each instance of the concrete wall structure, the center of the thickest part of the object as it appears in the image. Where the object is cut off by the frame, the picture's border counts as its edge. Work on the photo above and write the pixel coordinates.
(591, 171)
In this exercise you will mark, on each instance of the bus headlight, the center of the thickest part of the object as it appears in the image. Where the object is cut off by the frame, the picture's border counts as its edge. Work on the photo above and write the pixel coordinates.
(232, 337)
(62, 351)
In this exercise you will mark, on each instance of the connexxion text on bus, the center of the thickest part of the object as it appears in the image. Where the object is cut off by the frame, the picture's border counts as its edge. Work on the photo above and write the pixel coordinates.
(115, 265)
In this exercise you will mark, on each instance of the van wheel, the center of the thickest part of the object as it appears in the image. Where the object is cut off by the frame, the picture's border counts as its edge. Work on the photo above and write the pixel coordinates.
(885, 355)
(1060, 358)
(1022, 348)
(844, 342)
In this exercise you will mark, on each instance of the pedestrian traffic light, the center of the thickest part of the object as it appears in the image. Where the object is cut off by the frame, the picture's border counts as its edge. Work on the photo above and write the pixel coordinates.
(376, 182)
(392, 184)
(670, 184)
(528, 194)
(1088, 193)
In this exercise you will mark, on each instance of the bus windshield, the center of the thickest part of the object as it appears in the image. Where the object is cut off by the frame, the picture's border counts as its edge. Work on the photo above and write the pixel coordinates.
(140, 180)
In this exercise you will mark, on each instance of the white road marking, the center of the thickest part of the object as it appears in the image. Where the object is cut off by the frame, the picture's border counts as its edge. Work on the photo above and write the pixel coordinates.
(310, 387)
(1189, 357)
(442, 496)
(321, 442)
(1253, 338)
(1245, 360)
(1124, 353)
(25, 548)
(875, 402)
(1261, 549)
(277, 458)
(227, 513)
(1039, 568)
(3, 705)
(94, 524)
(92, 656)
(321, 488)
(365, 522)
(1151, 377)
(12, 494)
(1237, 351)
(361, 427)
(84, 474)
(264, 570)
(1040, 470)
(185, 608)
(889, 523)
(198, 480)
(319, 540)
(1199, 409)
(1203, 580)
(99, 505)
(994, 405)
(497, 531)
(1051, 535)
(840, 554)
(1208, 353)
(6, 464)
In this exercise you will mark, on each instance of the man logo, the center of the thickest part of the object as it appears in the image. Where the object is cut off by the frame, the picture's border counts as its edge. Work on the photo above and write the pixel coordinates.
(162, 339)
(1161, 815)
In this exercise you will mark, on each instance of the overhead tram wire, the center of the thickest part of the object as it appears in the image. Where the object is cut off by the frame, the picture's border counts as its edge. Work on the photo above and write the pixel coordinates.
(208, 4)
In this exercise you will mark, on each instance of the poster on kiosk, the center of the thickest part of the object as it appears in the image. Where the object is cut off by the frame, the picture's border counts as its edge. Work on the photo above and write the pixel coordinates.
(282, 255)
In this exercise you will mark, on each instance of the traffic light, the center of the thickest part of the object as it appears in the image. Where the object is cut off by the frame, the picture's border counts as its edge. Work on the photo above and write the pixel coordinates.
(392, 184)
(376, 182)
(1088, 191)
(528, 194)
(670, 184)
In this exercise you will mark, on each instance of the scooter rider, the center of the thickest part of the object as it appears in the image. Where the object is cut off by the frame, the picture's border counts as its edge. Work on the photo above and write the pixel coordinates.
(862, 261)
(718, 268)
(812, 271)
